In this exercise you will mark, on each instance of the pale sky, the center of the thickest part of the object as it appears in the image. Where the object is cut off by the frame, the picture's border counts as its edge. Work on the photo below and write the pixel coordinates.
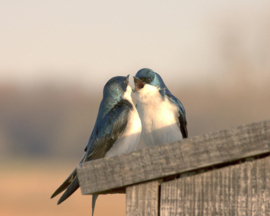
(88, 42)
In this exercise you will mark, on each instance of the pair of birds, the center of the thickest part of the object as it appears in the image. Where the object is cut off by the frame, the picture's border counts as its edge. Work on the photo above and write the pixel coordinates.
(158, 118)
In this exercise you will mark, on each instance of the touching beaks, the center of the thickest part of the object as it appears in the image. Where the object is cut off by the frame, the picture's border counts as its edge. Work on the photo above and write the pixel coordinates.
(139, 84)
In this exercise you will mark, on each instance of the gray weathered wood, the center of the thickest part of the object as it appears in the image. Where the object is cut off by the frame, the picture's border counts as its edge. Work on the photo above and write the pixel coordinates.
(242, 189)
(170, 159)
(142, 199)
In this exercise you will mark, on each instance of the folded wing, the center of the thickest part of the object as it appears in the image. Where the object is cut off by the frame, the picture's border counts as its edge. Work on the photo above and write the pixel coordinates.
(105, 133)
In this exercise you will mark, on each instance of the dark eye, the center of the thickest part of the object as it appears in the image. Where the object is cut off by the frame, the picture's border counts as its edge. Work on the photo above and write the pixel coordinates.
(148, 80)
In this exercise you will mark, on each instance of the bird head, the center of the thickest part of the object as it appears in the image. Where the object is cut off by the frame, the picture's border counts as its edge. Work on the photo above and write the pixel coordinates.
(116, 87)
(146, 77)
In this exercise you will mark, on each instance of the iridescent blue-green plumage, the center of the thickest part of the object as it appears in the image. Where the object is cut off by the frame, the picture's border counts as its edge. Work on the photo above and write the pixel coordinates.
(112, 116)
(111, 122)
(150, 77)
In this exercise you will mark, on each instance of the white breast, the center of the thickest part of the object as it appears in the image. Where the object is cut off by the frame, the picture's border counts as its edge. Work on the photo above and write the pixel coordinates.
(130, 137)
(159, 117)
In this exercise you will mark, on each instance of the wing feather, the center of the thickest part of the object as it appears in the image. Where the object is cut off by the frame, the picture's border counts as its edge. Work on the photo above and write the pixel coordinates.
(105, 133)
(182, 114)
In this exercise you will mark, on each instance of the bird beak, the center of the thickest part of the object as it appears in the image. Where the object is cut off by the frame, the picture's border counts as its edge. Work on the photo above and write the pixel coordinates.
(139, 84)
(127, 79)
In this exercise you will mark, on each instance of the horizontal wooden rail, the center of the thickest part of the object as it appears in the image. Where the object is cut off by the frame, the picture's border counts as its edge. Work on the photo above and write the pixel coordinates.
(106, 175)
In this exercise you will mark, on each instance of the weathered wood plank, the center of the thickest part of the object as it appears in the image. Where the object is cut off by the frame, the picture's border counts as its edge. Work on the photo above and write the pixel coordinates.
(242, 189)
(142, 199)
(169, 159)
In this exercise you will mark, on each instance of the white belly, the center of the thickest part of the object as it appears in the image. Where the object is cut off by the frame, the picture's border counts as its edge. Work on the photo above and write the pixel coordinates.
(159, 119)
(130, 138)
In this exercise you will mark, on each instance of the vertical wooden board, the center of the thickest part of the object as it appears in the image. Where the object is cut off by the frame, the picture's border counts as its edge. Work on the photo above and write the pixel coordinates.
(242, 189)
(142, 199)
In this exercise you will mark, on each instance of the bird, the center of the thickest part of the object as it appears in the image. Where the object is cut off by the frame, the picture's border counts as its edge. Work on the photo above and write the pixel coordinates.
(117, 131)
(163, 116)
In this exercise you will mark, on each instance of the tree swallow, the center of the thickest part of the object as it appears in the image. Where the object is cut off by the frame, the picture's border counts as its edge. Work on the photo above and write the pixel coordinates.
(162, 115)
(117, 131)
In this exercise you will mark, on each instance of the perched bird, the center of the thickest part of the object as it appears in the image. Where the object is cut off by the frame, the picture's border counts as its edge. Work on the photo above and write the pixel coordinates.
(162, 115)
(117, 131)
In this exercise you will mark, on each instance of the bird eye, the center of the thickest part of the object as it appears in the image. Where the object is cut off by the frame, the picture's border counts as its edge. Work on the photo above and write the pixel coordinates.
(148, 80)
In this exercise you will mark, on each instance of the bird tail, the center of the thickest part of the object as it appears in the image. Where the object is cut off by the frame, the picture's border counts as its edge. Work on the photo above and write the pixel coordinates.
(94, 199)
(65, 184)
(71, 184)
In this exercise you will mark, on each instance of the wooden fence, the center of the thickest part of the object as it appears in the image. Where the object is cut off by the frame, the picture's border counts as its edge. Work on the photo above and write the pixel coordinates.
(220, 173)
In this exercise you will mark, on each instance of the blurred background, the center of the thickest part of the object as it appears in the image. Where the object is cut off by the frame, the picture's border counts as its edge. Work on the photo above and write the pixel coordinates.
(56, 56)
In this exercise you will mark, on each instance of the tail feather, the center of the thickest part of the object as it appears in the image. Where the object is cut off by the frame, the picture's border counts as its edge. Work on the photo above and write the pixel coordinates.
(68, 181)
(70, 190)
(94, 199)
(65, 184)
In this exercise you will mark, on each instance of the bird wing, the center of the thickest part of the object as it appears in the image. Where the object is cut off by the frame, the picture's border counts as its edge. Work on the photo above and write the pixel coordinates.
(181, 114)
(105, 133)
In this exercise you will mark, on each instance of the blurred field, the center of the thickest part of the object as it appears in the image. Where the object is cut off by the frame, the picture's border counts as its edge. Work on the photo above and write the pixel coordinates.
(44, 133)
(26, 187)
(51, 122)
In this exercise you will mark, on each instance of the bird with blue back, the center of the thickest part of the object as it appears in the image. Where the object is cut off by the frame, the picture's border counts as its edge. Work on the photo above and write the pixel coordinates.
(117, 131)
(162, 115)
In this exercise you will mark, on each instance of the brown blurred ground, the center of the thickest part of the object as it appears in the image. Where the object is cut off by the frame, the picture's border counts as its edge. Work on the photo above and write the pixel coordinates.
(26, 187)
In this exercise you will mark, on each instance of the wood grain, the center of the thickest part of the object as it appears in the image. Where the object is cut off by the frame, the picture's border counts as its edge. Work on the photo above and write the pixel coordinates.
(175, 158)
(242, 189)
(142, 199)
